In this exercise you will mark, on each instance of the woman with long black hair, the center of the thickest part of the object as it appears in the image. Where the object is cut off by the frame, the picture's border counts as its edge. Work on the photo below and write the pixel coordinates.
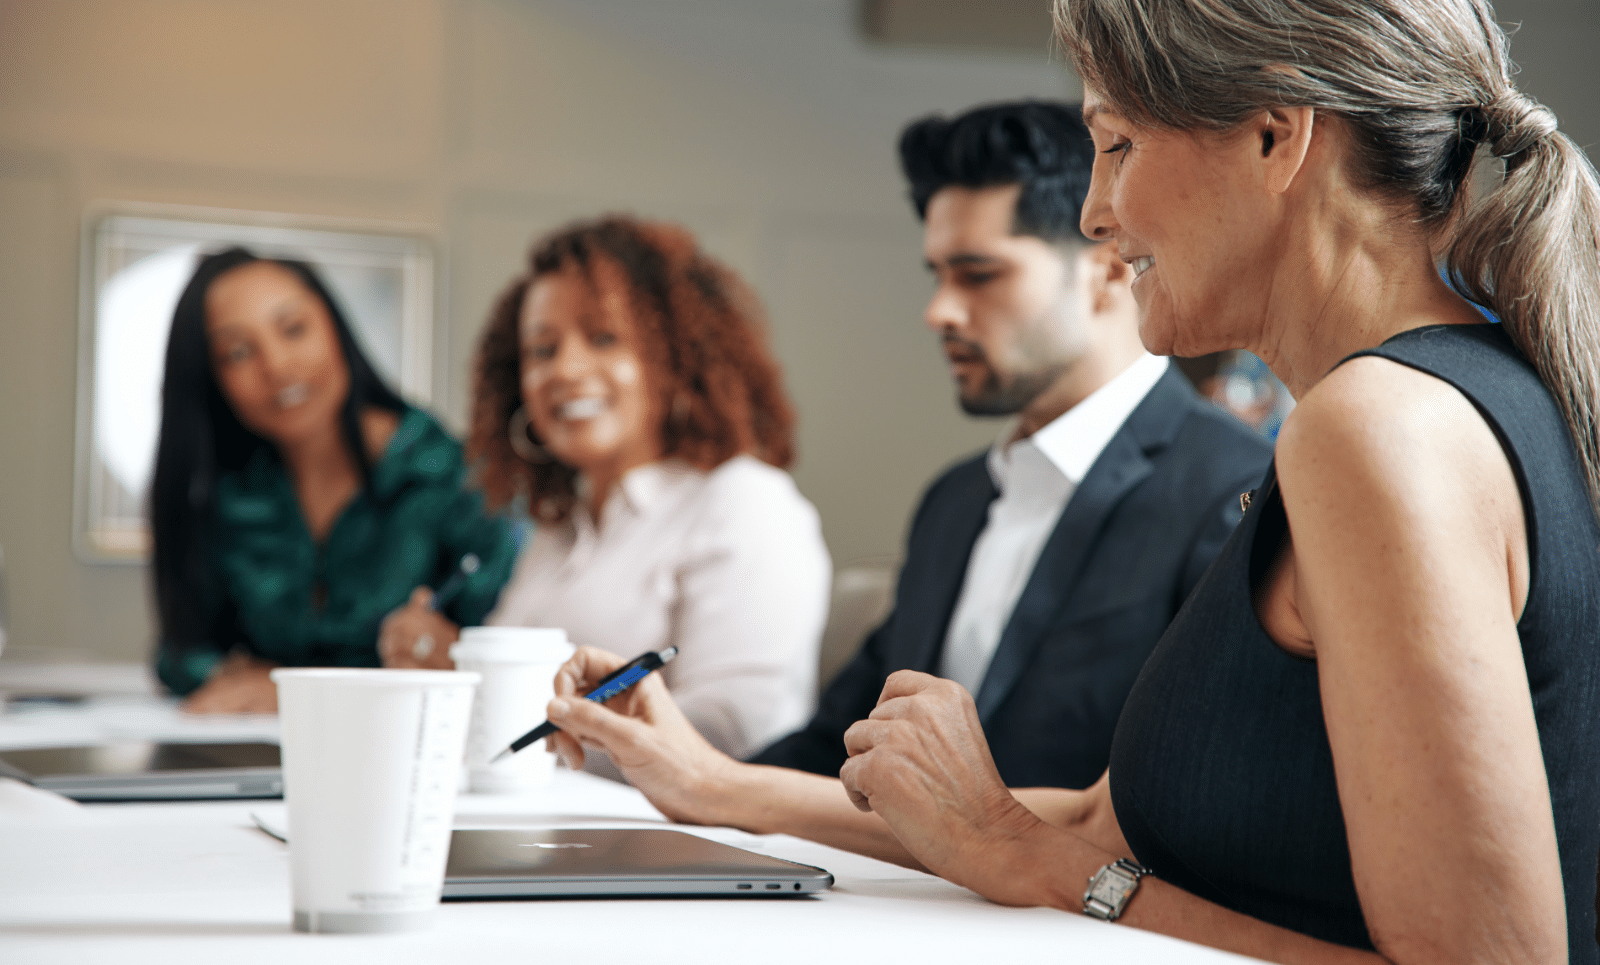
(297, 499)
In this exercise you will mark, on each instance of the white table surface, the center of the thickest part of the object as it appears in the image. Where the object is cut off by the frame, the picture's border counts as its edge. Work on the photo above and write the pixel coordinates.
(176, 883)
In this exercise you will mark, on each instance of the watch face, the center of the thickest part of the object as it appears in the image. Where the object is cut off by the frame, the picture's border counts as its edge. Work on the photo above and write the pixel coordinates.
(1119, 887)
(1113, 889)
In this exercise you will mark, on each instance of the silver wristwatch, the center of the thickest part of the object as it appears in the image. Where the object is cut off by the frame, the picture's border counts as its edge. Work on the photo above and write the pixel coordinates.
(1110, 888)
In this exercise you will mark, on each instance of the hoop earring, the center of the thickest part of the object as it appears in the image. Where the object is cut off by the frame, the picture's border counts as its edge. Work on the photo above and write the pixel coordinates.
(522, 441)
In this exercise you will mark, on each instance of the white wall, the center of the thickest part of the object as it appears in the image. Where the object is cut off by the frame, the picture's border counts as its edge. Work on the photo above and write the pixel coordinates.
(764, 125)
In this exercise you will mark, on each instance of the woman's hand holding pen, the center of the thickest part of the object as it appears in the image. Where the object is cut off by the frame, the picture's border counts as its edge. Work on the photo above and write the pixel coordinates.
(645, 734)
(417, 636)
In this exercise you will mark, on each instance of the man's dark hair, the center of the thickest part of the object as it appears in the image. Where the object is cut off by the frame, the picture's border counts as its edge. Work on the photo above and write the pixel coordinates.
(1041, 145)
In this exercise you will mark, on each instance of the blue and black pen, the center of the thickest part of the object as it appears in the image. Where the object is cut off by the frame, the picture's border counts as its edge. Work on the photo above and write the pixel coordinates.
(609, 686)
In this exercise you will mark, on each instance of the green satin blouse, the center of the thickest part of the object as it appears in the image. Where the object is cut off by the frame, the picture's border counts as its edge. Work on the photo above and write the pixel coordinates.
(289, 600)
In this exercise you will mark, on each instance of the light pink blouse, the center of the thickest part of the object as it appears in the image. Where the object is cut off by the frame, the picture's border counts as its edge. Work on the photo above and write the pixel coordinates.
(729, 566)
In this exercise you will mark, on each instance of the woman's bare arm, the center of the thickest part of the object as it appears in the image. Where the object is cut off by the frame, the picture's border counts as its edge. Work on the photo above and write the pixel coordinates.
(1086, 813)
(1410, 574)
(779, 800)
(665, 757)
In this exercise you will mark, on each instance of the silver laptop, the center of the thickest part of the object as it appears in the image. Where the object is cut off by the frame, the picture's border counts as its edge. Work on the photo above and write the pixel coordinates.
(148, 771)
(571, 863)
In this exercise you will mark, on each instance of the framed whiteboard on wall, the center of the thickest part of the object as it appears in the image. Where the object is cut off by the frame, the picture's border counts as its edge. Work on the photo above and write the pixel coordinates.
(136, 261)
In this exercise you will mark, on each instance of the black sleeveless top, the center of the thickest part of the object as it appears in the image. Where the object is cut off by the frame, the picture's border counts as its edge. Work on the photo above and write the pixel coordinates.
(1221, 774)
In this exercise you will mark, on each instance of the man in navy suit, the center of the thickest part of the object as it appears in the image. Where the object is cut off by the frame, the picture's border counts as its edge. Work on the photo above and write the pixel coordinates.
(1041, 573)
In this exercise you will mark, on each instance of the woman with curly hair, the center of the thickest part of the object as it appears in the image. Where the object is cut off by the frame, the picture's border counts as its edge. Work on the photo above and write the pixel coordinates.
(624, 389)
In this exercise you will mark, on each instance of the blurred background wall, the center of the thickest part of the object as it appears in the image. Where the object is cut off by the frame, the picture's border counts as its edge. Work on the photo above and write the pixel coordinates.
(766, 126)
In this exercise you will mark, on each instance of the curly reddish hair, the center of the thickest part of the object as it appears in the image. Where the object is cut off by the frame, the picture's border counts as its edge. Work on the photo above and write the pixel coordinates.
(701, 338)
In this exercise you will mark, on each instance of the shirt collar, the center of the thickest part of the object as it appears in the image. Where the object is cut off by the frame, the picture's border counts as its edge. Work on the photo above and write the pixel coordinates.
(1072, 441)
(643, 487)
(418, 451)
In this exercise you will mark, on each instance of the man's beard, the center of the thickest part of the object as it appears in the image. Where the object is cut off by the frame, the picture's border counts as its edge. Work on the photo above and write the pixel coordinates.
(997, 397)
(994, 398)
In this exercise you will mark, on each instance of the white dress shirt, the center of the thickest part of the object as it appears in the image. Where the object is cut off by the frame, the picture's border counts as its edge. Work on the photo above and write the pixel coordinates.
(728, 566)
(1036, 477)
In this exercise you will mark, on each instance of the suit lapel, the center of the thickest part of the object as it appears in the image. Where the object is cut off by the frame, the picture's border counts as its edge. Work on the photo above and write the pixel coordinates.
(934, 593)
(1122, 465)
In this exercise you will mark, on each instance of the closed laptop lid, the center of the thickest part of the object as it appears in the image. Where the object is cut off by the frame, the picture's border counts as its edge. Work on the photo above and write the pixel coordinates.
(573, 862)
(150, 770)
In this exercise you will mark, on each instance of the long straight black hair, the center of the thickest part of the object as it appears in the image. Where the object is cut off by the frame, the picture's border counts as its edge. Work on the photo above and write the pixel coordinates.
(201, 438)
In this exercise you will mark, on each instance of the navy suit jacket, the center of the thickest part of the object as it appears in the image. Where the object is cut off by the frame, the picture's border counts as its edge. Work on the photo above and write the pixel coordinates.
(1133, 540)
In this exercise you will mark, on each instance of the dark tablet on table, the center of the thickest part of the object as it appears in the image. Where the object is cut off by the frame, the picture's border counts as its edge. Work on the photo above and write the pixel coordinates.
(150, 771)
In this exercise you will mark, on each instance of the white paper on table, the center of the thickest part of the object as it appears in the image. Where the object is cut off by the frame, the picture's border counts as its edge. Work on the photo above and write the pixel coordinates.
(19, 801)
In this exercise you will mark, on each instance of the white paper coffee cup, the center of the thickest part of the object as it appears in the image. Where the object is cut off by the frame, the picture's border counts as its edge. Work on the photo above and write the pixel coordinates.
(518, 666)
(370, 764)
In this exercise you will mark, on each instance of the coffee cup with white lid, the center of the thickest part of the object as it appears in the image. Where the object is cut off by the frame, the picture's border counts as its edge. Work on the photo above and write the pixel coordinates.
(518, 667)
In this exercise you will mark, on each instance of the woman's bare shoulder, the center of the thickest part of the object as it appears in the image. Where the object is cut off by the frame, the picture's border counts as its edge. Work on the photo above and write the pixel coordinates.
(1375, 419)
(1380, 458)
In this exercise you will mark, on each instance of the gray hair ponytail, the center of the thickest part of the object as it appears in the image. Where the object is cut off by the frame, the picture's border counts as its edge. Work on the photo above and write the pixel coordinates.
(1421, 83)
(1531, 250)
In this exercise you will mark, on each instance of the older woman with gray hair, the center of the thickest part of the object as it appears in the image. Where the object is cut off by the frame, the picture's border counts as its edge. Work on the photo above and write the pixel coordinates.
(1374, 730)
